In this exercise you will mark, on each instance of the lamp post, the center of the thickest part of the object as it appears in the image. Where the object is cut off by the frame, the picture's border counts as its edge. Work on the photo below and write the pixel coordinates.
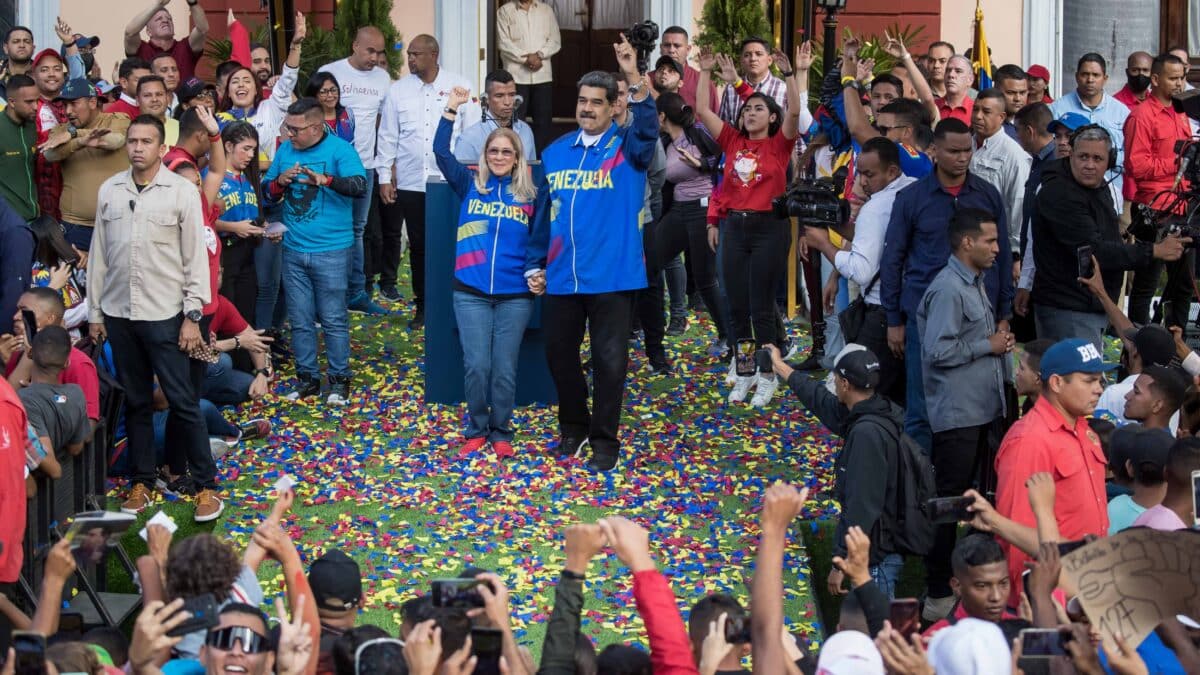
(831, 7)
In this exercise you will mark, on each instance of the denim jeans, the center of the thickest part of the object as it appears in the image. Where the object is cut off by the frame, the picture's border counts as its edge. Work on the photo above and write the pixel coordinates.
(269, 309)
(754, 262)
(490, 330)
(1058, 324)
(358, 281)
(224, 384)
(887, 573)
(916, 417)
(79, 236)
(676, 287)
(214, 421)
(315, 284)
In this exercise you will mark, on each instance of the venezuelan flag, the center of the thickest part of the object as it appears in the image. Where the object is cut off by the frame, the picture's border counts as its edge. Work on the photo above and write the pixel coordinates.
(981, 60)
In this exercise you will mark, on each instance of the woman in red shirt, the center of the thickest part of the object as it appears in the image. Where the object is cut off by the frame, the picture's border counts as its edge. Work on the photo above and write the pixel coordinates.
(754, 253)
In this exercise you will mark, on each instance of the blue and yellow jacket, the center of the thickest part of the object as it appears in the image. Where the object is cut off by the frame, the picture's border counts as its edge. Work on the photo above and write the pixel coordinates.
(592, 242)
(493, 228)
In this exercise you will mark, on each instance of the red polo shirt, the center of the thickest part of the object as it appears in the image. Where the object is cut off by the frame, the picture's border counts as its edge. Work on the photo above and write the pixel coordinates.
(1151, 131)
(13, 437)
(1040, 442)
(691, 79)
(958, 614)
(961, 112)
(185, 58)
(1130, 99)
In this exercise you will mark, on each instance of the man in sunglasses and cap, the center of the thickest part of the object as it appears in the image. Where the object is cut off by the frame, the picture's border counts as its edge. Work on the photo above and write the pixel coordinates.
(240, 643)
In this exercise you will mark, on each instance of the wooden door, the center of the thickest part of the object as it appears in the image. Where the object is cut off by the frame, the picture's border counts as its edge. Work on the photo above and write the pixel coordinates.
(589, 28)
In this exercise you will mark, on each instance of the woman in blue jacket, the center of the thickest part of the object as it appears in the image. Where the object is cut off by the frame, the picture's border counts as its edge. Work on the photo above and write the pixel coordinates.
(492, 299)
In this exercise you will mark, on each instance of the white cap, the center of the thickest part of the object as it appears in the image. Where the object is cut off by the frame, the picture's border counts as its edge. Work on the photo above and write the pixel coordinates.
(849, 653)
(970, 647)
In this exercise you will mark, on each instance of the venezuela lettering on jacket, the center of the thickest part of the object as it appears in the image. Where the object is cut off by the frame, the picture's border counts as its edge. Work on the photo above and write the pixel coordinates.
(478, 207)
(575, 179)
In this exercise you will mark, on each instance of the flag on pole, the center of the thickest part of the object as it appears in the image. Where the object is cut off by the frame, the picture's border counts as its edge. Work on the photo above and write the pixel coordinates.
(981, 61)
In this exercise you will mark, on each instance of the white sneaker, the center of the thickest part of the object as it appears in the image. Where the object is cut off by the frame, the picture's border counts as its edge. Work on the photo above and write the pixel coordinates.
(765, 391)
(336, 398)
(218, 447)
(731, 377)
(741, 387)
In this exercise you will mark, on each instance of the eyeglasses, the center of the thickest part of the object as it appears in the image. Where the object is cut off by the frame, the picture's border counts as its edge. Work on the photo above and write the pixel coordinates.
(393, 652)
(292, 131)
(224, 639)
(884, 130)
(330, 91)
(501, 152)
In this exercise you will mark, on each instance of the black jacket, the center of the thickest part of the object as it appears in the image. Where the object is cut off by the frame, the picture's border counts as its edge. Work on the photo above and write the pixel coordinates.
(16, 262)
(866, 467)
(1067, 216)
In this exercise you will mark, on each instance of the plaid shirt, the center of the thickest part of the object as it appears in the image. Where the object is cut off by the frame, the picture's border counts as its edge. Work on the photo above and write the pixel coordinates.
(49, 174)
(731, 103)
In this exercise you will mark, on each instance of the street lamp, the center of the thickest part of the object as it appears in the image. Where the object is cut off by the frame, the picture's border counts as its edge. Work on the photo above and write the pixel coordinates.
(831, 7)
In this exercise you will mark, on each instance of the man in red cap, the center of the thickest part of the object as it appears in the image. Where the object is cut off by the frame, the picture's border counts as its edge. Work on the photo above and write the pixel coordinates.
(49, 73)
(1039, 84)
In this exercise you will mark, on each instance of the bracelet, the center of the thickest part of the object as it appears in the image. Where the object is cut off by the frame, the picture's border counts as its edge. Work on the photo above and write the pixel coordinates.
(737, 83)
(449, 111)
(848, 78)
(193, 3)
(237, 342)
(214, 137)
(787, 73)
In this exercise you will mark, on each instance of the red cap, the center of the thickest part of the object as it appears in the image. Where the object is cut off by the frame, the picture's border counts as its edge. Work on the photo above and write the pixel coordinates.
(44, 53)
(1040, 72)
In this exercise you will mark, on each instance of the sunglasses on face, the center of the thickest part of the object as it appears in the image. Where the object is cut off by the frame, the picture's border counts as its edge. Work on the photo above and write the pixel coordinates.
(224, 638)
(501, 152)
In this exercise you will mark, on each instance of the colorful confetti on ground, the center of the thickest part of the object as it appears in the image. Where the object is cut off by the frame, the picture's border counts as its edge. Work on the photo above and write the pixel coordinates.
(379, 479)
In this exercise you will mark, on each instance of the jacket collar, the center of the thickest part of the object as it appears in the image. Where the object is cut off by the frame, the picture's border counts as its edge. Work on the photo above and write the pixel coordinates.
(604, 139)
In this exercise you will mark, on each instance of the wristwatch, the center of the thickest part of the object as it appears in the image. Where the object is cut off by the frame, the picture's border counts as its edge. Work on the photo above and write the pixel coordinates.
(265, 372)
(194, 316)
(193, 3)
(73, 131)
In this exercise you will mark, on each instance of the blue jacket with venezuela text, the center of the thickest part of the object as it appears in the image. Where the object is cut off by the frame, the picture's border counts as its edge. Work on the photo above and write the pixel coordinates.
(493, 228)
(592, 242)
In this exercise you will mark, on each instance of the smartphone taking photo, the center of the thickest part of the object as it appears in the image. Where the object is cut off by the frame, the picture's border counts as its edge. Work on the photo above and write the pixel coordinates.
(946, 510)
(1083, 261)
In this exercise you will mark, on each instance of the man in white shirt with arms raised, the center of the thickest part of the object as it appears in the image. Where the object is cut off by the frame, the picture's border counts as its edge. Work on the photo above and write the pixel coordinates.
(364, 84)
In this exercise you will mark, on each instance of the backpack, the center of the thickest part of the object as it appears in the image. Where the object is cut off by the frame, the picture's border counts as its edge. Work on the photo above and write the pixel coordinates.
(913, 531)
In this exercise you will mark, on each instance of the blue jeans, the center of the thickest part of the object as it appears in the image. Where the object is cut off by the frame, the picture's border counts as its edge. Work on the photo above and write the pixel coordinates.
(224, 384)
(677, 286)
(491, 331)
(315, 284)
(214, 421)
(887, 573)
(1061, 324)
(357, 283)
(916, 417)
(269, 311)
(79, 236)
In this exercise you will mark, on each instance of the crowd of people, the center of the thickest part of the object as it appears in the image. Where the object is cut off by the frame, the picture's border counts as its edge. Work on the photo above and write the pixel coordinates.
(176, 238)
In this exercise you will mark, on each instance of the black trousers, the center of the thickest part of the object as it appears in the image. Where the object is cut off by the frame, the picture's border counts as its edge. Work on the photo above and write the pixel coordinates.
(408, 212)
(873, 336)
(649, 304)
(144, 350)
(373, 243)
(239, 280)
(754, 260)
(176, 443)
(684, 229)
(606, 317)
(538, 104)
(1177, 294)
(958, 459)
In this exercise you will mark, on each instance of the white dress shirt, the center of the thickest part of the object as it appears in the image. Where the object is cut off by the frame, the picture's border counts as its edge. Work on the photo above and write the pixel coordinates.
(861, 263)
(527, 31)
(1005, 164)
(411, 113)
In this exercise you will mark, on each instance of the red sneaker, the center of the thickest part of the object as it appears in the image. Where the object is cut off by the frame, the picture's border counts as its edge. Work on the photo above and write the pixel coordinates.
(503, 449)
(472, 445)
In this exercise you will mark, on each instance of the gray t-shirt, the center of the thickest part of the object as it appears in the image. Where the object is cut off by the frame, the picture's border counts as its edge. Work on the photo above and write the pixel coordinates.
(58, 411)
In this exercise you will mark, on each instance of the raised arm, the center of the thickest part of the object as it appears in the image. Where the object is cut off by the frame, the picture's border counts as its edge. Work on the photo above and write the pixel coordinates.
(216, 155)
(856, 115)
(583, 542)
(199, 34)
(781, 505)
(791, 119)
(896, 48)
(458, 176)
(1116, 317)
(711, 121)
(133, 30)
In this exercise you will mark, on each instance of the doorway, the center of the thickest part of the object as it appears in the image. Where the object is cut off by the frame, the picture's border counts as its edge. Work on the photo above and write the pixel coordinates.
(589, 28)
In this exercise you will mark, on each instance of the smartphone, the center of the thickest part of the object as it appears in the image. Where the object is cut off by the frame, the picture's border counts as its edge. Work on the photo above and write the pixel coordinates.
(943, 510)
(1044, 642)
(1196, 498)
(745, 365)
(204, 615)
(737, 629)
(1068, 546)
(905, 616)
(1083, 260)
(1025, 584)
(31, 653)
(459, 593)
(30, 320)
(486, 643)
(70, 623)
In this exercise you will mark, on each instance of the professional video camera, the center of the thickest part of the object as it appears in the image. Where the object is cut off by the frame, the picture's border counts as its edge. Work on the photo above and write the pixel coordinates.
(814, 201)
(643, 37)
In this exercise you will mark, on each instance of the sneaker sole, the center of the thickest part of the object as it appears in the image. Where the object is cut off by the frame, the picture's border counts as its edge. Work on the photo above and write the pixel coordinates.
(209, 519)
(616, 465)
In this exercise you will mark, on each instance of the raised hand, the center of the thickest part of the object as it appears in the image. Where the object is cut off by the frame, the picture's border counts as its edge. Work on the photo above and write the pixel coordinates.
(583, 542)
(781, 60)
(458, 96)
(894, 47)
(630, 541)
(301, 30)
(707, 60)
(63, 31)
(850, 48)
(728, 69)
(781, 505)
(295, 639)
(150, 639)
(207, 119)
(626, 55)
(858, 557)
(714, 649)
(865, 70)
(804, 56)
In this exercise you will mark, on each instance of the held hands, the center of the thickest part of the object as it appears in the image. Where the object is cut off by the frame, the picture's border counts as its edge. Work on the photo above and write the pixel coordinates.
(537, 282)
(458, 96)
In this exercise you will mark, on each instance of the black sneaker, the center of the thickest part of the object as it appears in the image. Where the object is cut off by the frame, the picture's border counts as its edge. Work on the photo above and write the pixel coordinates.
(390, 294)
(305, 389)
(695, 302)
(418, 320)
(339, 391)
(569, 447)
(677, 327)
(660, 367)
(180, 486)
(602, 463)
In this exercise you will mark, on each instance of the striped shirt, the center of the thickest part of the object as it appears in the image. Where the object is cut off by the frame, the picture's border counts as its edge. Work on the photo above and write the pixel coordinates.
(731, 103)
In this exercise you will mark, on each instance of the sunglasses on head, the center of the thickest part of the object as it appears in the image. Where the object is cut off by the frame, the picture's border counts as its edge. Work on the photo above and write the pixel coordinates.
(224, 638)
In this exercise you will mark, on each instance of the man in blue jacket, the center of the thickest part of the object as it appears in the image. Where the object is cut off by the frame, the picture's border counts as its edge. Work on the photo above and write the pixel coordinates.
(917, 246)
(588, 257)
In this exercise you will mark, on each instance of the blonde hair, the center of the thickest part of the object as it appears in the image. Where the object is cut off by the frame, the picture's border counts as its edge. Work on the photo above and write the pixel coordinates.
(522, 181)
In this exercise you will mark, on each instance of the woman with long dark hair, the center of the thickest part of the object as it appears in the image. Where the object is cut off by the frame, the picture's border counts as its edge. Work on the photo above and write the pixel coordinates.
(324, 87)
(754, 250)
(240, 225)
(492, 299)
(55, 265)
(692, 164)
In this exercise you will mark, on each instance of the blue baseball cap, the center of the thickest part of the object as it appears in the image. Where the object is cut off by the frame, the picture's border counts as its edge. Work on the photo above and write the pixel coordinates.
(1075, 355)
(1071, 121)
(76, 89)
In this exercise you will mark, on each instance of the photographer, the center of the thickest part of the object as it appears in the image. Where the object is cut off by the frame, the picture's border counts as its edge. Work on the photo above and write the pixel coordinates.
(1074, 208)
(1151, 134)
(879, 176)
(866, 468)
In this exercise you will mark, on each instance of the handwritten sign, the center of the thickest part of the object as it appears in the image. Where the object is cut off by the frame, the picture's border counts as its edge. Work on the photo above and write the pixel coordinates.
(1131, 582)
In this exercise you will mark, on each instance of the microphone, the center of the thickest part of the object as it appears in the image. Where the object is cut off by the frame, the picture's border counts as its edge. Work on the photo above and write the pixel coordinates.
(132, 204)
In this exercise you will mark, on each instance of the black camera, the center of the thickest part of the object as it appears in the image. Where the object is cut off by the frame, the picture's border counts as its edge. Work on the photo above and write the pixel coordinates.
(814, 201)
(643, 37)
